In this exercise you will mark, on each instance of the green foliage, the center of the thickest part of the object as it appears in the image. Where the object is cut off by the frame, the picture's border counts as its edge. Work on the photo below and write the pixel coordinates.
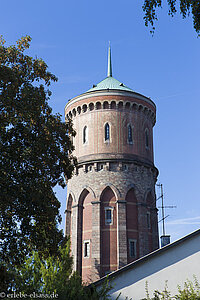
(35, 155)
(185, 7)
(54, 275)
(190, 291)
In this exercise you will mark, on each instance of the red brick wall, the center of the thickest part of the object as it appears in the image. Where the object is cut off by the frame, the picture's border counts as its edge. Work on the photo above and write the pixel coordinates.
(108, 234)
(87, 235)
(131, 222)
(150, 205)
(95, 120)
(114, 163)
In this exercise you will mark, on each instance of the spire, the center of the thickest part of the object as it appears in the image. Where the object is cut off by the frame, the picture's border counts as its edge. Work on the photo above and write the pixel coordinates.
(109, 62)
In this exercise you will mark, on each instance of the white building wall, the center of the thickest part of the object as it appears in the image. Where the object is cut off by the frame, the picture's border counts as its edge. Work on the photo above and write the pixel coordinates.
(173, 266)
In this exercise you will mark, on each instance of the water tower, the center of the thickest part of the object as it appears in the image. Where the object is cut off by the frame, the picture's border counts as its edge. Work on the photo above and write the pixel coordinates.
(111, 212)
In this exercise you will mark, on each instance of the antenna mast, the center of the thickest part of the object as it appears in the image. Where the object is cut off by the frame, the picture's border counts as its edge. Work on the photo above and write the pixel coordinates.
(165, 239)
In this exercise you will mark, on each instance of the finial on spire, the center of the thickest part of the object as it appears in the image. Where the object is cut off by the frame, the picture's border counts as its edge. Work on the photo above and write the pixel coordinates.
(109, 62)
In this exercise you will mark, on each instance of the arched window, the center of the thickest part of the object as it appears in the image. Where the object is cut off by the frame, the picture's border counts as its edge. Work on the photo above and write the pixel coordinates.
(107, 132)
(85, 135)
(130, 134)
(147, 138)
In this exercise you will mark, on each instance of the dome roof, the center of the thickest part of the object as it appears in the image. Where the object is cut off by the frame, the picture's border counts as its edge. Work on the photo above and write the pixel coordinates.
(111, 84)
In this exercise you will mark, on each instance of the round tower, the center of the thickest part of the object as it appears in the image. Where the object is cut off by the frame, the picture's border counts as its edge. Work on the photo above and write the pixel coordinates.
(111, 213)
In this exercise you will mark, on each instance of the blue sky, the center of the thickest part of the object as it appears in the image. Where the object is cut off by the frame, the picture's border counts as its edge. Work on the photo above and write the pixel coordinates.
(73, 38)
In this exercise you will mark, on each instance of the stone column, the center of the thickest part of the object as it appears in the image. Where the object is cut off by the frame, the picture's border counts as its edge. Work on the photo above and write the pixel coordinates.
(79, 238)
(74, 228)
(96, 242)
(121, 234)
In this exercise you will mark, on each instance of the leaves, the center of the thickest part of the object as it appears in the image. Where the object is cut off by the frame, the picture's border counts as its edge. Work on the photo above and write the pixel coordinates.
(53, 275)
(185, 7)
(36, 154)
(190, 291)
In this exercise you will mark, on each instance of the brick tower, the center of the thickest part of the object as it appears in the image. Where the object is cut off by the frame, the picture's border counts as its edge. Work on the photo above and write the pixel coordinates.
(111, 212)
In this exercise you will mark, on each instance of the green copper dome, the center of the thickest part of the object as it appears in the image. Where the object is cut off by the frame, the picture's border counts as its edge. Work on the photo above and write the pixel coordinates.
(109, 82)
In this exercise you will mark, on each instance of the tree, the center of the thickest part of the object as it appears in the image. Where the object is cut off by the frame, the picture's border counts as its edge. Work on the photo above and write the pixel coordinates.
(43, 278)
(185, 6)
(35, 155)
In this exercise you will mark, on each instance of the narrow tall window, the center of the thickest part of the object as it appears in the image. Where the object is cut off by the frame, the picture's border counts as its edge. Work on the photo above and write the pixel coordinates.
(108, 215)
(85, 135)
(146, 138)
(130, 134)
(132, 248)
(86, 248)
(107, 132)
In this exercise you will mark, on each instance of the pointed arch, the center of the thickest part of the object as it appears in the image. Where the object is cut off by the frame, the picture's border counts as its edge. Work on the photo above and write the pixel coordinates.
(72, 195)
(128, 188)
(149, 197)
(115, 190)
(68, 212)
(130, 195)
(85, 190)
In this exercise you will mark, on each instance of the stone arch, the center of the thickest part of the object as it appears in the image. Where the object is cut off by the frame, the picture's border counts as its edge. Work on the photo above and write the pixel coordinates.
(145, 110)
(98, 105)
(84, 192)
(115, 190)
(91, 106)
(90, 190)
(120, 105)
(105, 105)
(149, 112)
(79, 110)
(84, 108)
(113, 105)
(140, 108)
(72, 195)
(127, 105)
(149, 197)
(135, 106)
(68, 222)
(131, 189)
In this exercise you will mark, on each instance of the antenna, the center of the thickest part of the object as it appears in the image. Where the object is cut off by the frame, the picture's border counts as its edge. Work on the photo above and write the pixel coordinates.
(164, 239)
